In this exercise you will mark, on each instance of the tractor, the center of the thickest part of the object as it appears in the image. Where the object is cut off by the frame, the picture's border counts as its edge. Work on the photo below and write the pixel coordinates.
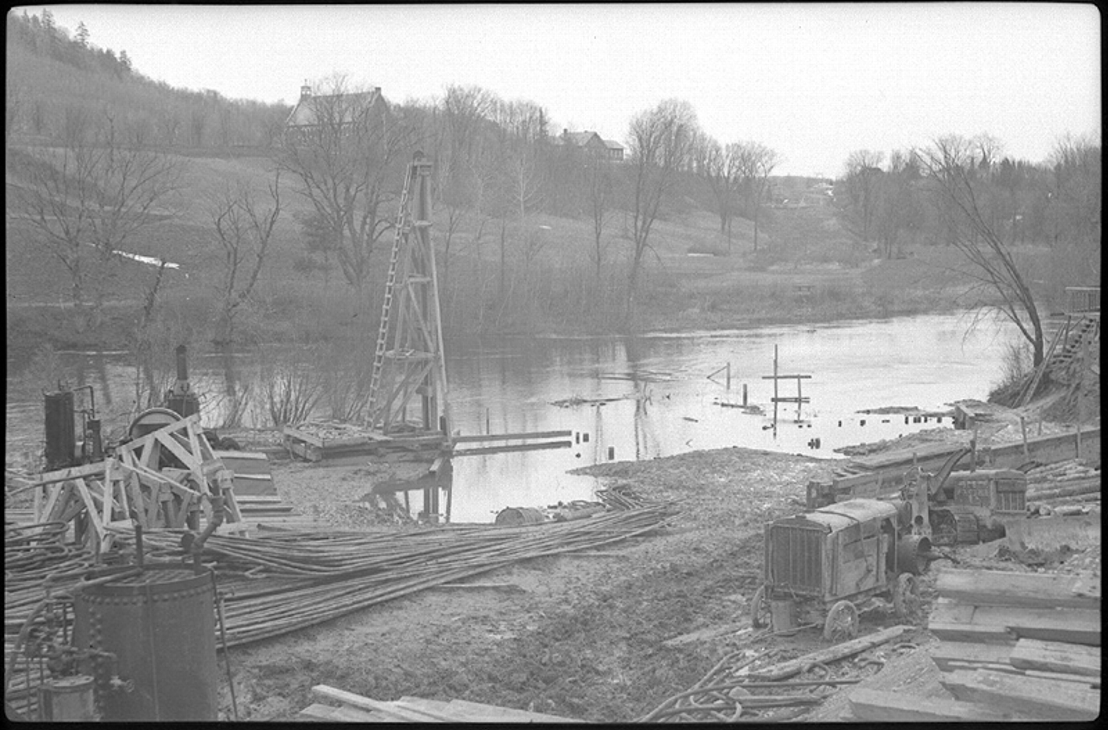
(828, 565)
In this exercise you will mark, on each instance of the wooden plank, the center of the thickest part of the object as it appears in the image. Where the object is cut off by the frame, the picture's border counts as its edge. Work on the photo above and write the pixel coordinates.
(317, 713)
(512, 436)
(1033, 698)
(514, 447)
(365, 703)
(1093, 682)
(478, 712)
(947, 652)
(1072, 625)
(75, 472)
(708, 633)
(1053, 656)
(998, 588)
(885, 706)
(830, 654)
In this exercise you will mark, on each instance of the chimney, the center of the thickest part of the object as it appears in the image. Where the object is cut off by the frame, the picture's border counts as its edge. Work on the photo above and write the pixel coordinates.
(305, 91)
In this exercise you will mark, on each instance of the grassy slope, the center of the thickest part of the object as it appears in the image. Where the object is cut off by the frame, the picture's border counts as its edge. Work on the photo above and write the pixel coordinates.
(680, 291)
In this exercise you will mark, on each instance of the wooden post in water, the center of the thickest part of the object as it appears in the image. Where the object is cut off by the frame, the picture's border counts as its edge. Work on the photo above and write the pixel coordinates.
(744, 395)
(729, 376)
(799, 400)
(775, 387)
(1023, 435)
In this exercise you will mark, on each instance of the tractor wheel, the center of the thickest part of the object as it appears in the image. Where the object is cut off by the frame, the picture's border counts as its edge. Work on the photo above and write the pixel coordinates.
(841, 623)
(906, 598)
(760, 615)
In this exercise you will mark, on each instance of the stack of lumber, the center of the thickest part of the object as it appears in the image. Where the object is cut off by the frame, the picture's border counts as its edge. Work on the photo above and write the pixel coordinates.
(350, 707)
(1019, 645)
(1063, 483)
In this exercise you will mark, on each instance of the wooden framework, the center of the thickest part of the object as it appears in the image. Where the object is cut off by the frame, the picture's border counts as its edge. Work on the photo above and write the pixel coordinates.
(128, 489)
(415, 364)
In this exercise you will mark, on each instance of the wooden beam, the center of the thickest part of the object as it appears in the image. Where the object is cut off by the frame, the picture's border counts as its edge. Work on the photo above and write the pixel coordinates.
(75, 472)
(512, 436)
(830, 654)
(365, 703)
(1053, 656)
(514, 447)
(885, 706)
(1072, 625)
(947, 652)
(999, 588)
(1032, 698)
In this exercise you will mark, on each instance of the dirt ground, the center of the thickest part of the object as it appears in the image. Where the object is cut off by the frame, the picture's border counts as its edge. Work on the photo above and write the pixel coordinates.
(582, 637)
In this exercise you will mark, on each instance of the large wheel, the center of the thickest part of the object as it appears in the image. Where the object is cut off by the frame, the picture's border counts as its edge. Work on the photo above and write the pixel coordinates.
(906, 598)
(841, 623)
(760, 615)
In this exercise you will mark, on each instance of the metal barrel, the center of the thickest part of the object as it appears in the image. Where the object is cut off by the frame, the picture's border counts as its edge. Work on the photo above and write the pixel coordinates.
(160, 624)
(519, 516)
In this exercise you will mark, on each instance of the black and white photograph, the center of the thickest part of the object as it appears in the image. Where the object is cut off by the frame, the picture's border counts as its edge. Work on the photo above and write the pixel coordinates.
(558, 363)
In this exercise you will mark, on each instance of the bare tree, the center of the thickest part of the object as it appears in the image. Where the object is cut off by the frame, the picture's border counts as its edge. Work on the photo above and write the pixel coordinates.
(957, 170)
(244, 228)
(601, 195)
(660, 142)
(857, 201)
(344, 159)
(84, 199)
(753, 164)
(722, 168)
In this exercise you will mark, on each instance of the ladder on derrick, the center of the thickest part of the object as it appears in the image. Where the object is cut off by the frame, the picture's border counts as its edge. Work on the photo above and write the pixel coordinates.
(409, 366)
(403, 219)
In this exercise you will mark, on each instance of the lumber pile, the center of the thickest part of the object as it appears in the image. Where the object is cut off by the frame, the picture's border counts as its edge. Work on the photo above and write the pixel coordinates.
(1063, 483)
(1024, 646)
(350, 707)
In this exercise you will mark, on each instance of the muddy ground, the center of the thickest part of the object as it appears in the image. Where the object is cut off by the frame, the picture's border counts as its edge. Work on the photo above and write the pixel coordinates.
(582, 637)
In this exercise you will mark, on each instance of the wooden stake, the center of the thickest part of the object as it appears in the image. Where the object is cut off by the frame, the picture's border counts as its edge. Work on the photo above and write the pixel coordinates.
(1023, 435)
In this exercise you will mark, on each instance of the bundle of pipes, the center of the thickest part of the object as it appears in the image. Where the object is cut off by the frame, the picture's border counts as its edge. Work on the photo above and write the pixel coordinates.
(283, 582)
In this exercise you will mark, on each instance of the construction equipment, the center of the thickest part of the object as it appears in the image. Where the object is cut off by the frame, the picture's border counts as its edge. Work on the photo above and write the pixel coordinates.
(827, 566)
(964, 507)
(415, 363)
(950, 507)
(72, 433)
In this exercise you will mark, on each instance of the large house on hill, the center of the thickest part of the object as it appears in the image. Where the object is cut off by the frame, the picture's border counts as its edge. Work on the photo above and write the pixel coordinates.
(338, 112)
(593, 143)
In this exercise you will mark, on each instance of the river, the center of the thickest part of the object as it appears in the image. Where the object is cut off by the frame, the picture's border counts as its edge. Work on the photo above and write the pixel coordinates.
(663, 401)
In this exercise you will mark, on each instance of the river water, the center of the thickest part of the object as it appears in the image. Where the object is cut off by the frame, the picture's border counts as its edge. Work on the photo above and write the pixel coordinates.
(660, 398)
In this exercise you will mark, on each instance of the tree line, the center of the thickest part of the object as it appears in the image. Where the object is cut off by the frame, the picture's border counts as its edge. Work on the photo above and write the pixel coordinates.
(966, 193)
(51, 74)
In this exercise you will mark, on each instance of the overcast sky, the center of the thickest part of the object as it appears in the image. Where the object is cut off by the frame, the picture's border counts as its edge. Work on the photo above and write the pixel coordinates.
(814, 82)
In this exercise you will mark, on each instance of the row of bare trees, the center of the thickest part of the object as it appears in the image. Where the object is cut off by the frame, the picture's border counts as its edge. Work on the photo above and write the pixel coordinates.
(963, 192)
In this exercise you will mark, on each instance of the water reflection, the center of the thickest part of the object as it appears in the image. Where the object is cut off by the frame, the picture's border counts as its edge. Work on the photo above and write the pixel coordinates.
(660, 400)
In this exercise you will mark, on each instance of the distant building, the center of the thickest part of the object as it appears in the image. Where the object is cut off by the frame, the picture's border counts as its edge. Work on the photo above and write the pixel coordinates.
(313, 114)
(593, 143)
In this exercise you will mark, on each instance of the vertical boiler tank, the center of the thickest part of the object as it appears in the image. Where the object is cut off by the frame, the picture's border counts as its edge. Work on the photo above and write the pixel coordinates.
(160, 624)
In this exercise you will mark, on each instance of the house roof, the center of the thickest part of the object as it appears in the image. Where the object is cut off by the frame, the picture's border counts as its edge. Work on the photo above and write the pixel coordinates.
(612, 144)
(306, 111)
(581, 139)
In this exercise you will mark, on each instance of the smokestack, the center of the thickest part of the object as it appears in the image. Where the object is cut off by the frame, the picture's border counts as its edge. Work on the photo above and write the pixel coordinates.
(182, 364)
